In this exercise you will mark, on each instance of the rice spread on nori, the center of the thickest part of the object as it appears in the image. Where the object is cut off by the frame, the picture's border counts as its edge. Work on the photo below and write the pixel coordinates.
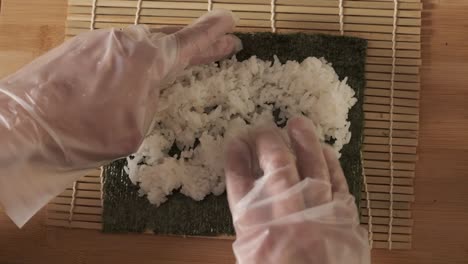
(125, 210)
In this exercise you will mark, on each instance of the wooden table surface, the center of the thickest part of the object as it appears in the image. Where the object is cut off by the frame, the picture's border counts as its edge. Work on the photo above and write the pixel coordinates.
(28, 28)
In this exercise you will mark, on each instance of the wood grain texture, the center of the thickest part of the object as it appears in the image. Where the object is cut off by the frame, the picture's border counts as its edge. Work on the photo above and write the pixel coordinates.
(440, 212)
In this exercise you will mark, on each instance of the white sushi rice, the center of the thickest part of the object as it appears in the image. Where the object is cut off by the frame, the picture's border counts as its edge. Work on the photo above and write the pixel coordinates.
(208, 101)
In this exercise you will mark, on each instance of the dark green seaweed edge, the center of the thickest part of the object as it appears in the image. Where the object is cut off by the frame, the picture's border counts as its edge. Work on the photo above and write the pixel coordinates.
(125, 211)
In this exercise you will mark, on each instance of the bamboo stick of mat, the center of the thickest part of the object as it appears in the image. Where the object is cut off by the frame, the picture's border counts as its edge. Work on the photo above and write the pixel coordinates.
(391, 103)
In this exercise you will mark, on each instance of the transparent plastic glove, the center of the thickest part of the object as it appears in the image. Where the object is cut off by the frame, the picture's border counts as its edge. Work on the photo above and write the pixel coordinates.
(300, 210)
(92, 100)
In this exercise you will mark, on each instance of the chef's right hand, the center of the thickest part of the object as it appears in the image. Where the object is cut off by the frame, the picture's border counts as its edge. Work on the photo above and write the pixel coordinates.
(300, 210)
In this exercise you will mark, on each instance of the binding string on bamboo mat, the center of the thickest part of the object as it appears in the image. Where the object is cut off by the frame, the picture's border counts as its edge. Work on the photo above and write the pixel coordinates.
(392, 93)
(367, 203)
(210, 5)
(273, 16)
(93, 15)
(101, 185)
(340, 6)
(391, 103)
(72, 203)
(137, 13)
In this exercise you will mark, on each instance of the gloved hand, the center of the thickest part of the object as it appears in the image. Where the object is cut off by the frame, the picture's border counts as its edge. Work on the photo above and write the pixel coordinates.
(92, 100)
(300, 210)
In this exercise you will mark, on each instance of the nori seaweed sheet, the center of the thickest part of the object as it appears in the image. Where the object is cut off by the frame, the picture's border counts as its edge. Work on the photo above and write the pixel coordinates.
(125, 211)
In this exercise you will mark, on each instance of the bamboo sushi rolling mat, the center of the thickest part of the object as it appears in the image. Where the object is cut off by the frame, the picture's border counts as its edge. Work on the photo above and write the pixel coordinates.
(391, 104)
